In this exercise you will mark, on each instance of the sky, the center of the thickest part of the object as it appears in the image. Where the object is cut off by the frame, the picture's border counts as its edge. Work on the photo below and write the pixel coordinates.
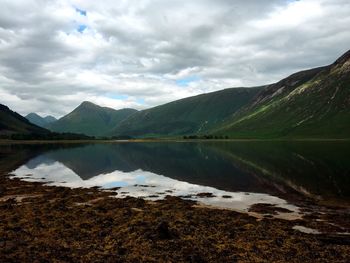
(54, 54)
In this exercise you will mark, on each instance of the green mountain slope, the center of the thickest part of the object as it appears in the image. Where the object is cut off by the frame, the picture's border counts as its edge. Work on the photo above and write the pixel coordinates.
(90, 119)
(13, 123)
(40, 121)
(186, 116)
(308, 104)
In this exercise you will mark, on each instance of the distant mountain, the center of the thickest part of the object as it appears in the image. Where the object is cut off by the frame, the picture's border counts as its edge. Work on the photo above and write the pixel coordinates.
(309, 104)
(13, 123)
(191, 115)
(90, 119)
(40, 121)
(50, 119)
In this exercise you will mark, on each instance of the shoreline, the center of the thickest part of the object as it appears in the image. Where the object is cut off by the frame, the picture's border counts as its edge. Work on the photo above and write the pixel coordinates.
(58, 223)
(5, 142)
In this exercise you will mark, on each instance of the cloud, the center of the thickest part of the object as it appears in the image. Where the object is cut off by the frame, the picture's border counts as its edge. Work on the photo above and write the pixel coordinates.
(55, 54)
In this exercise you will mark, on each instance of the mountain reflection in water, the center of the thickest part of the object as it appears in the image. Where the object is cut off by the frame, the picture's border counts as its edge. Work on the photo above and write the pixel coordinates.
(275, 169)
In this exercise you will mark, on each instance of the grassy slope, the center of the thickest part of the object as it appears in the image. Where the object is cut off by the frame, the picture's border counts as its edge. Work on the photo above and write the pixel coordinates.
(186, 116)
(90, 119)
(11, 122)
(315, 107)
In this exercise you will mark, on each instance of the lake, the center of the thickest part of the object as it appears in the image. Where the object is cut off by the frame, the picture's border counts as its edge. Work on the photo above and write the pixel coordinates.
(224, 174)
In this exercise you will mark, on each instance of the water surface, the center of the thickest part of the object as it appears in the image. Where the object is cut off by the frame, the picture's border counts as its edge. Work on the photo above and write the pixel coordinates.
(235, 174)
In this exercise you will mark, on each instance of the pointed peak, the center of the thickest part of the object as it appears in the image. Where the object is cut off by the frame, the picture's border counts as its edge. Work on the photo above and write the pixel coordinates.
(33, 114)
(87, 103)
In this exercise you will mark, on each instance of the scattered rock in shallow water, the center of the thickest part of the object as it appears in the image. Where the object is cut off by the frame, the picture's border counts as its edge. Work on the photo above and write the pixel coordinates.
(205, 195)
(143, 185)
(185, 196)
(114, 188)
(270, 209)
(153, 196)
(226, 196)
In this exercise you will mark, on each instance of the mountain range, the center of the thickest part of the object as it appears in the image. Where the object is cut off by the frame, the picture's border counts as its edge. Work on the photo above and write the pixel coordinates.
(40, 121)
(90, 119)
(15, 126)
(11, 123)
(198, 114)
(313, 103)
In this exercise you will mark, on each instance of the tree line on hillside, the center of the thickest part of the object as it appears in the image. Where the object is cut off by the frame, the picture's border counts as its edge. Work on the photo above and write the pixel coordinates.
(45, 136)
(73, 136)
(59, 136)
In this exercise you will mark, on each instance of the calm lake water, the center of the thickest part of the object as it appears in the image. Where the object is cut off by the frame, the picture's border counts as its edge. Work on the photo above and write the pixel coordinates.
(237, 174)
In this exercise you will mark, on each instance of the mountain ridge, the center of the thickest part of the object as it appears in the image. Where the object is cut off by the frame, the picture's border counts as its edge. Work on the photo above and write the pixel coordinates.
(315, 106)
(90, 119)
(186, 116)
(40, 121)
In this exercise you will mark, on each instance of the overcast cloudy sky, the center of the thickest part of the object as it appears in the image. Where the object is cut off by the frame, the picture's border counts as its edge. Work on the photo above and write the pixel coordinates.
(142, 53)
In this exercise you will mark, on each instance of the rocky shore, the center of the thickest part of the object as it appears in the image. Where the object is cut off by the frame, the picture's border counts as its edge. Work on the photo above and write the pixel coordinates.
(39, 223)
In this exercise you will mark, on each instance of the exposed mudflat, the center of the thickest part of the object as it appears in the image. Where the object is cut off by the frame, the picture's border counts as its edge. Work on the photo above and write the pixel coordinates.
(40, 223)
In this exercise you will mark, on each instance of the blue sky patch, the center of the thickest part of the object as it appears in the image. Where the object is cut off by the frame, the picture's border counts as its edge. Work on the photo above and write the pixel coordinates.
(140, 101)
(81, 28)
(185, 81)
(80, 11)
(118, 96)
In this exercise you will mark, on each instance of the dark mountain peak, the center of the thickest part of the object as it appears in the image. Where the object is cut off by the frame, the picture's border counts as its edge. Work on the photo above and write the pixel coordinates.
(344, 58)
(32, 114)
(40, 121)
(50, 119)
(87, 104)
(90, 119)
